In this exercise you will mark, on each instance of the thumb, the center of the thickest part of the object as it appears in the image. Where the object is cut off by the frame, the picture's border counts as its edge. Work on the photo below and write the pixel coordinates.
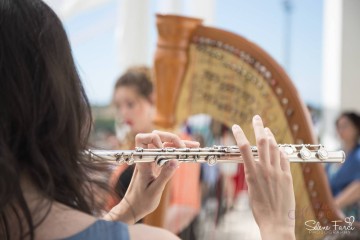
(165, 175)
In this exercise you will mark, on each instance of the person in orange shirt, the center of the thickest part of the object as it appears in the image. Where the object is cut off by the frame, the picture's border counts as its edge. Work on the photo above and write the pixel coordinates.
(185, 198)
(134, 102)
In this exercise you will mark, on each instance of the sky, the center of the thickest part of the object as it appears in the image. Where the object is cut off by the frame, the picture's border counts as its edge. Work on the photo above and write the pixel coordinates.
(93, 40)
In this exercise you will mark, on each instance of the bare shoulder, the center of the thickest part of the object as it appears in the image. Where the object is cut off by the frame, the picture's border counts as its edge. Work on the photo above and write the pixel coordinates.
(142, 232)
(62, 222)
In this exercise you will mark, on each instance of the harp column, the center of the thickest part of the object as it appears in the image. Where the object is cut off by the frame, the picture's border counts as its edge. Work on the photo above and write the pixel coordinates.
(174, 33)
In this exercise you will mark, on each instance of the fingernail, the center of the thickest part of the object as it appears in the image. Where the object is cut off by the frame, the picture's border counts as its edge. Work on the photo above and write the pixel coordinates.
(267, 130)
(257, 117)
(235, 127)
(173, 164)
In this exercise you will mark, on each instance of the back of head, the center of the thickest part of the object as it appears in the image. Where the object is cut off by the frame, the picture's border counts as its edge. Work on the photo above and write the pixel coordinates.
(44, 112)
(138, 77)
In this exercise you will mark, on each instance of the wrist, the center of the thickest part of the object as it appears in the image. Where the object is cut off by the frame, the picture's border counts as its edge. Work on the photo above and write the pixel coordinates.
(121, 212)
(130, 208)
(136, 208)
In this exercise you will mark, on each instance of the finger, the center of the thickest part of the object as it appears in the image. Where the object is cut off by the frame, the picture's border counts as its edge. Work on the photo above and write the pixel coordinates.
(261, 140)
(188, 144)
(167, 171)
(152, 146)
(284, 162)
(147, 140)
(169, 137)
(147, 170)
(274, 149)
(144, 139)
(191, 144)
(245, 149)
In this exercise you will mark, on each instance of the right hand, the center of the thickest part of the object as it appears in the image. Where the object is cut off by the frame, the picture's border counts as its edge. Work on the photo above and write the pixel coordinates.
(149, 180)
(270, 184)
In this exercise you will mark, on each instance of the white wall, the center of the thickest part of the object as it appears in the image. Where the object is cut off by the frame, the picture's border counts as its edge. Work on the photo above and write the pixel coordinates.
(341, 63)
(350, 56)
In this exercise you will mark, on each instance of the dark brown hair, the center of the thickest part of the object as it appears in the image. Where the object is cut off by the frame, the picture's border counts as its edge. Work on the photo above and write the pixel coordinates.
(45, 116)
(354, 118)
(139, 78)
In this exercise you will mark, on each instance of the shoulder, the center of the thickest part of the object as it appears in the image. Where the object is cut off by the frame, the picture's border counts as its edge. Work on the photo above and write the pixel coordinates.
(354, 156)
(357, 153)
(64, 222)
(144, 232)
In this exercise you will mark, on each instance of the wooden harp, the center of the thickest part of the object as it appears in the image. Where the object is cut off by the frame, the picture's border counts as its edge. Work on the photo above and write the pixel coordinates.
(201, 69)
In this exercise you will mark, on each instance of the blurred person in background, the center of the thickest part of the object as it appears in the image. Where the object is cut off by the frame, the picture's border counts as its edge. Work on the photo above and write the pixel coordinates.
(345, 178)
(134, 102)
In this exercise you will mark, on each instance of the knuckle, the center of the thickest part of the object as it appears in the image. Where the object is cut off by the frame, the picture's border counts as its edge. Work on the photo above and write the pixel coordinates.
(288, 178)
(267, 172)
(155, 137)
(273, 146)
(139, 136)
(249, 177)
(244, 145)
(267, 177)
(174, 137)
(262, 141)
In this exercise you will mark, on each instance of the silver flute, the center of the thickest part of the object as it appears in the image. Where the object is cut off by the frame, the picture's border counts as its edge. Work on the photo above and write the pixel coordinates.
(297, 153)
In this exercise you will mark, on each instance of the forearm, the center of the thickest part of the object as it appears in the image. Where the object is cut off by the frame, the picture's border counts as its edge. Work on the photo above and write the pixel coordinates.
(350, 195)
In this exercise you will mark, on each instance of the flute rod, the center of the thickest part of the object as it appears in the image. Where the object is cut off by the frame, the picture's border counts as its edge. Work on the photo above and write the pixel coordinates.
(304, 153)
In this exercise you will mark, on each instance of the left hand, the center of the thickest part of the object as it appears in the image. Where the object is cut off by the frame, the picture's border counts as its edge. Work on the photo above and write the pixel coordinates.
(149, 180)
(270, 184)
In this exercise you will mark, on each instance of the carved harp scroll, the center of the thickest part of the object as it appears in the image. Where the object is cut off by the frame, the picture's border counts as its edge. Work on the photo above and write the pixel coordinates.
(201, 69)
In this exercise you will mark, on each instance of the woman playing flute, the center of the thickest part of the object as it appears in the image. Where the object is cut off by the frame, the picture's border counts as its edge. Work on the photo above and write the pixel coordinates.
(49, 186)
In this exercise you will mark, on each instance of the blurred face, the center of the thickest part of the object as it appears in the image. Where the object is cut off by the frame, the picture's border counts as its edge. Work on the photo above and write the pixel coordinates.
(346, 130)
(134, 110)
